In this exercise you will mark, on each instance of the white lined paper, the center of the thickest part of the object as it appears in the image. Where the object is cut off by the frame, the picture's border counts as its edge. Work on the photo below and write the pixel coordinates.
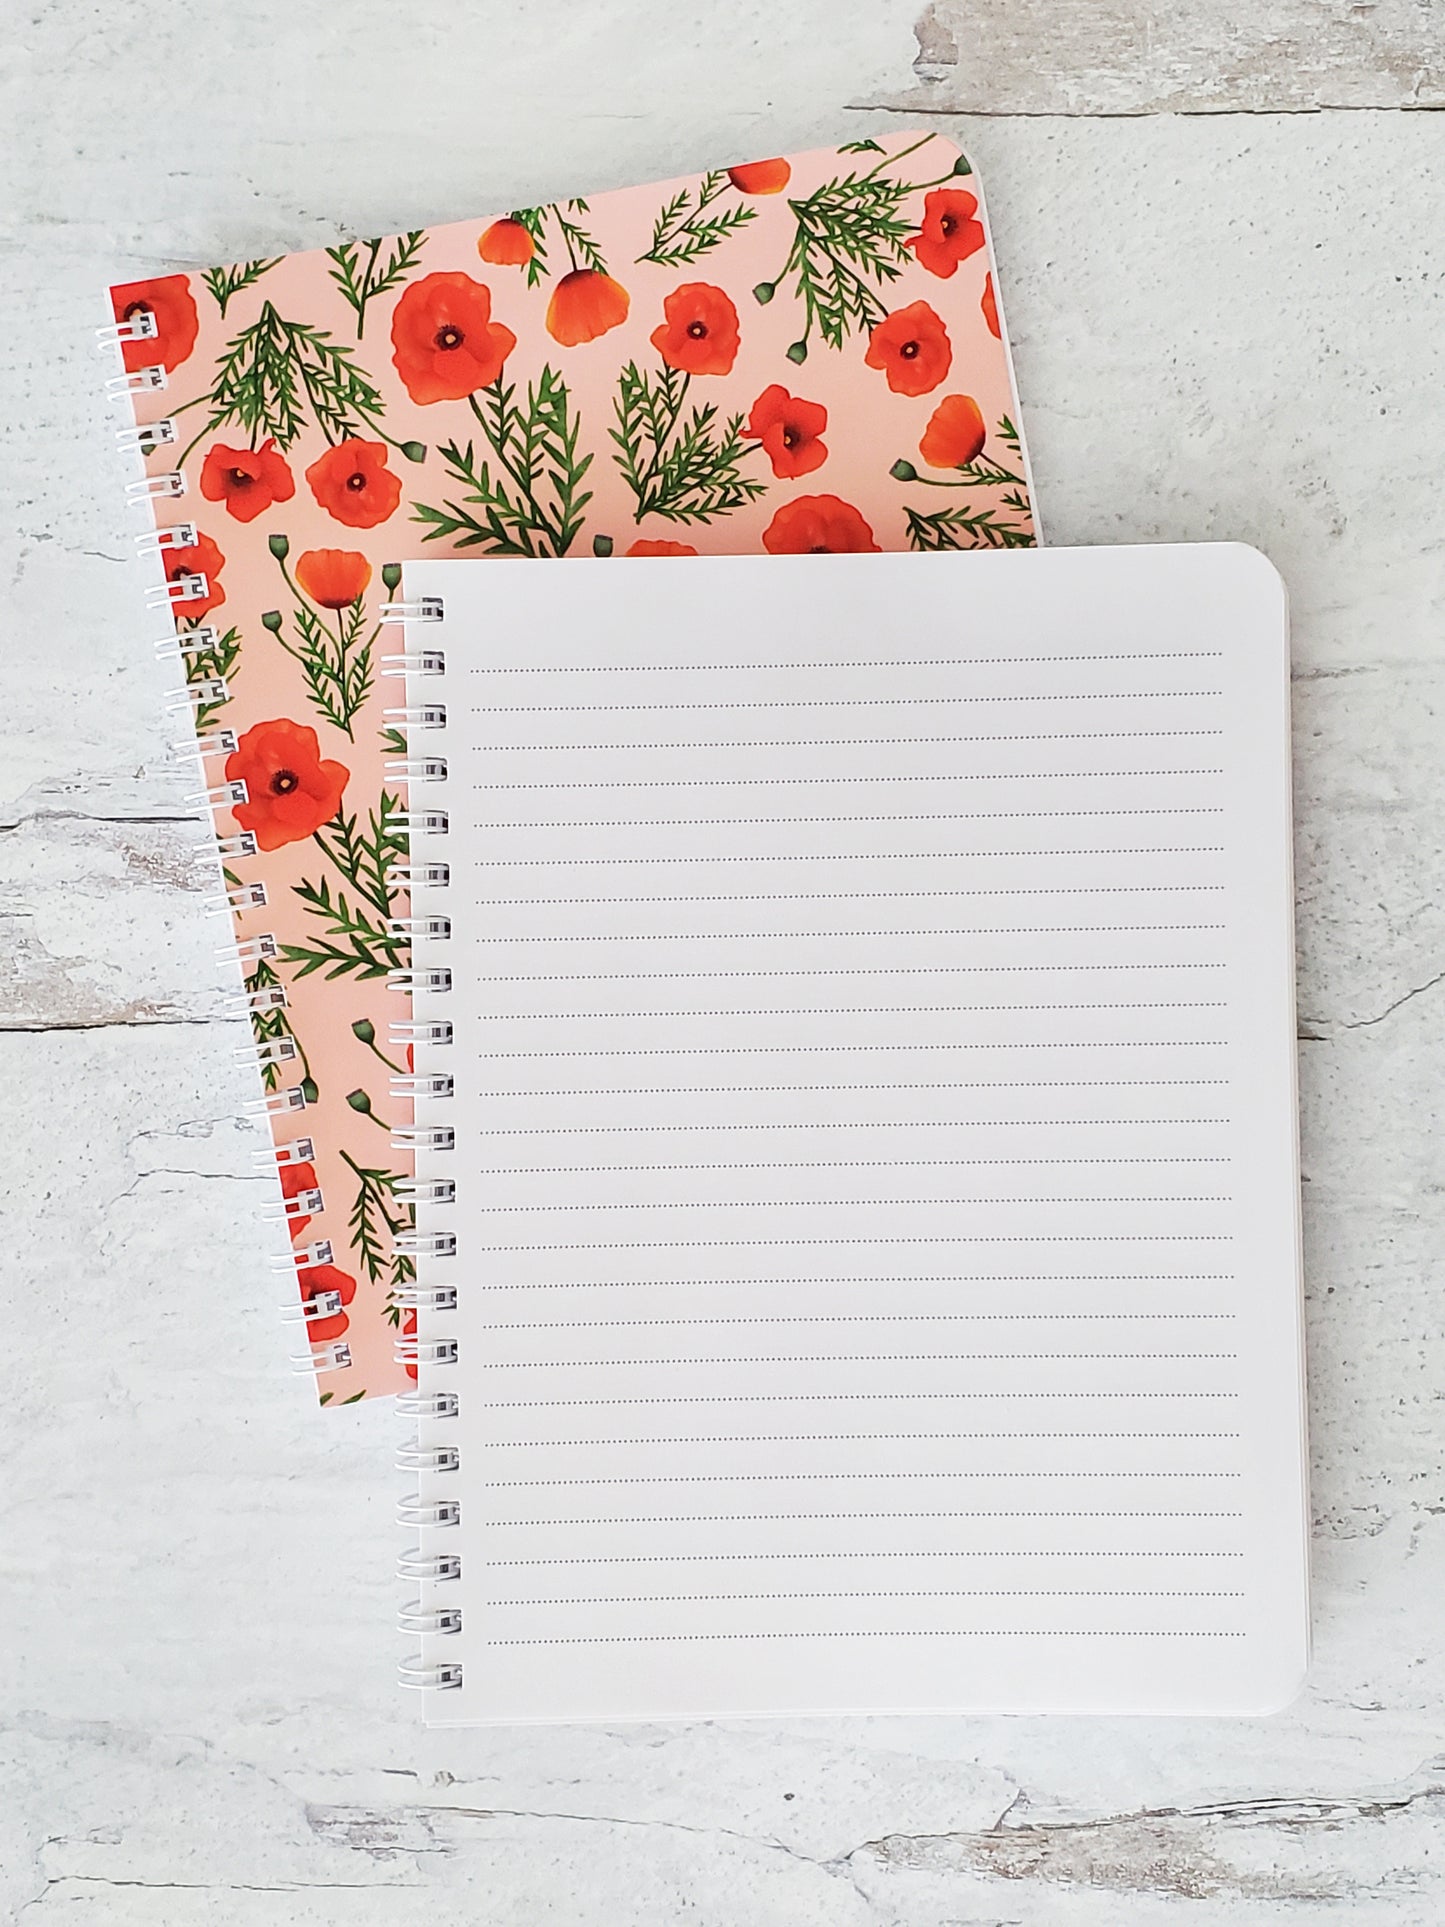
(875, 1144)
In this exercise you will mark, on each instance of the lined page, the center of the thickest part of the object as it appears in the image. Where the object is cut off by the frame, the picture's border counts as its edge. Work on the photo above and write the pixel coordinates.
(876, 1186)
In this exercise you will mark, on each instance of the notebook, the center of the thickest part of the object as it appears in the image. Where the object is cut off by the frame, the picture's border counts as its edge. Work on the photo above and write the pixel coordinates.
(785, 355)
(857, 1179)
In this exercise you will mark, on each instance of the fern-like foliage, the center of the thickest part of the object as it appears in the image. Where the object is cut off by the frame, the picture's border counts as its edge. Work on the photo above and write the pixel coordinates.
(362, 271)
(964, 528)
(278, 375)
(377, 1215)
(685, 469)
(226, 283)
(338, 665)
(269, 1025)
(358, 939)
(524, 497)
(207, 664)
(684, 230)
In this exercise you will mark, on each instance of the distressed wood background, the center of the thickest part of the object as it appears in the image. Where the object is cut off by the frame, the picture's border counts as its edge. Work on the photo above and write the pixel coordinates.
(1223, 256)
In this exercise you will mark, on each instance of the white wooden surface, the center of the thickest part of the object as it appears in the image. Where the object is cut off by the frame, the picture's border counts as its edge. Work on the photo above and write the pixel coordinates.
(1226, 325)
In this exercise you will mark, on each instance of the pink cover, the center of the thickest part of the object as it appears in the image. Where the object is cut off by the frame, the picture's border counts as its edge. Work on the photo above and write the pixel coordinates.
(785, 355)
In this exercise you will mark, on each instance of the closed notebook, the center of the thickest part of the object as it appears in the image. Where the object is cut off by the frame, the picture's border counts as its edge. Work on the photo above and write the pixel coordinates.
(857, 1179)
(789, 355)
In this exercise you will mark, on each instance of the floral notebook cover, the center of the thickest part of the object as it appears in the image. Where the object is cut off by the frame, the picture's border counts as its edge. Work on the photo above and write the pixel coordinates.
(788, 355)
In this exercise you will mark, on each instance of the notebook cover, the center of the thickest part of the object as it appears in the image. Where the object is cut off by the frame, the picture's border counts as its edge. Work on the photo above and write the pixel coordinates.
(788, 355)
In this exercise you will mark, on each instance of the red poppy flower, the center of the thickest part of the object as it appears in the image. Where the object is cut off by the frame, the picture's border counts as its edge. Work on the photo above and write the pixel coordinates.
(585, 304)
(333, 577)
(296, 1178)
(789, 430)
(408, 1330)
(247, 480)
(507, 244)
(700, 334)
(353, 483)
(955, 434)
(170, 300)
(292, 792)
(911, 347)
(445, 343)
(988, 301)
(949, 233)
(818, 525)
(760, 177)
(201, 558)
(660, 548)
(316, 1279)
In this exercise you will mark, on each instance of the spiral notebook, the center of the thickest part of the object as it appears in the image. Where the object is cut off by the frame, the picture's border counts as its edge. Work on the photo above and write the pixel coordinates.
(779, 356)
(857, 1187)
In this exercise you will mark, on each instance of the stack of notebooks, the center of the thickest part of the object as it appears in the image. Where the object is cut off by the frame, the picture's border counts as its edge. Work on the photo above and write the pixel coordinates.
(779, 1035)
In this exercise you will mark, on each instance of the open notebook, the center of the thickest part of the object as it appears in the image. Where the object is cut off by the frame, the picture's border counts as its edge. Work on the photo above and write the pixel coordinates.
(858, 1180)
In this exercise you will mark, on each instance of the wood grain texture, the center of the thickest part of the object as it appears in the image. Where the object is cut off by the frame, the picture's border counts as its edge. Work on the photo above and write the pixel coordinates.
(1224, 328)
(1208, 57)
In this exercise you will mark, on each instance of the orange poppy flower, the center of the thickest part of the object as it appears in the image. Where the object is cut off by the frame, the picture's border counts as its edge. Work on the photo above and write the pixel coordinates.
(955, 434)
(507, 244)
(201, 558)
(760, 177)
(660, 548)
(333, 577)
(700, 334)
(408, 1330)
(818, 525)
(353, 483)
(247, 480)
(789, 430)
(911, 347)
(445, 343)
(585, 304)
(170, 300)
(988, 301)
(296, 1178)
(292, 791)
(949, 233)
(314, 1280)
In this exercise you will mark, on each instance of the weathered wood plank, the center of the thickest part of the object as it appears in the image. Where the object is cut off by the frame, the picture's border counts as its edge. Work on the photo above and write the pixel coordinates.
(1135, 57)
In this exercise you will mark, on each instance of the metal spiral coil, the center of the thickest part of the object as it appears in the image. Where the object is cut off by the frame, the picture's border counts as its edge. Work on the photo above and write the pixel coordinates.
(425, 1352)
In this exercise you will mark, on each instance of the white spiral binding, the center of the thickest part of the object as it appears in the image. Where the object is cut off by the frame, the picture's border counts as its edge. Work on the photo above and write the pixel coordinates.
(434, 1244)
(220, 792)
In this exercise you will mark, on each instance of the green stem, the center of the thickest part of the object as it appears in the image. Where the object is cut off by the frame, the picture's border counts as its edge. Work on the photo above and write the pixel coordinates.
(976, 475)
(395, 1069)
(892, 160)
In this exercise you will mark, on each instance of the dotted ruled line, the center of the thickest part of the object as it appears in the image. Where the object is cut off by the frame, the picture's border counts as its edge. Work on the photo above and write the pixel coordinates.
(904, 662)
(843, 856)
(855, 702)
(858, 742)
(721, 1558)
(883, 930)
(949, 1632)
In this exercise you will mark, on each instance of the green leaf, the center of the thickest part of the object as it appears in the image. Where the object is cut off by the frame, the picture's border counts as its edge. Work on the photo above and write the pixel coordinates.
(848, 244)
(685, 470)
(683, 231)
(524, 498)
(269, 1025)
(338, 664)
(207, 664)
(377, 1215)
(226, 283)
(362, 272)
(961, 528)
(278, 375)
